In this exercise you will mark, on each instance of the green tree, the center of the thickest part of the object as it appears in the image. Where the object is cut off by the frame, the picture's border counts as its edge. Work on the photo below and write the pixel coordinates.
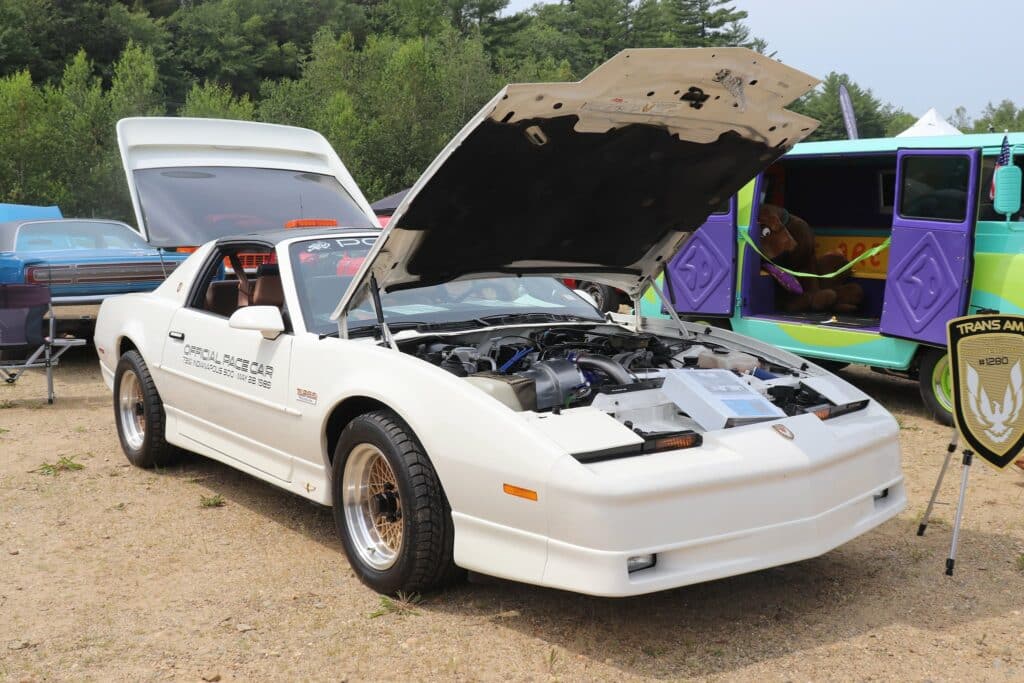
(650, 25)
(88, 163)
(1001, 117)
(897, 120)
(135, 89)
(27, 127)
(706, 23)
(873, 117)
(216, 101)
(27, 40)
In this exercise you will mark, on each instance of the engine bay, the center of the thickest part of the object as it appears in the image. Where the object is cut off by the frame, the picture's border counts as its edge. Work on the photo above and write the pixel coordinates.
(654, 385)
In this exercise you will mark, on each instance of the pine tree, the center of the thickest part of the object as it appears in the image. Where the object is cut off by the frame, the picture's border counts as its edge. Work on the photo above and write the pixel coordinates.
(707, 23)
(651, 25)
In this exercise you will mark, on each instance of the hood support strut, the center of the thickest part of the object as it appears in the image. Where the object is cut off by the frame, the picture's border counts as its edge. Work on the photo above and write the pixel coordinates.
(666, 303)
(378, 309)
(385, 332)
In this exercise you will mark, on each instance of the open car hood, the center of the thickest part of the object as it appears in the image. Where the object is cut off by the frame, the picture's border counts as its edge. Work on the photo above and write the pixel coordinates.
(193, 180)
(602, 179)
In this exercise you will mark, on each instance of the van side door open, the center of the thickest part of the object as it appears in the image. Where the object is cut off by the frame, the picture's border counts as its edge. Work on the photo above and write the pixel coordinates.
(701, 277)
(930, 257)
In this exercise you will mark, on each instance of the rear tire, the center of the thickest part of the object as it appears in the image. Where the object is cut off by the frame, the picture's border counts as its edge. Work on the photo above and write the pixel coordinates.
(389, 508)
(936, 385)
(139, 414)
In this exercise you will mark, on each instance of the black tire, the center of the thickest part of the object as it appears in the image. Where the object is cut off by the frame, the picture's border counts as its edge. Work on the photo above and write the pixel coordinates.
(423, 561)
(607, 298)
(153, 451)
(932, 377)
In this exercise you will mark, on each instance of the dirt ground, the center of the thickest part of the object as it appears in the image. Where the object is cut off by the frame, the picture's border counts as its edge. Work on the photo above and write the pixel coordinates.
(113, 573)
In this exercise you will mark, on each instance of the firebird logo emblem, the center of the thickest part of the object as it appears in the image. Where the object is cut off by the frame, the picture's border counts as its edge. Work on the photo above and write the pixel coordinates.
(783, 431)
(994, 417)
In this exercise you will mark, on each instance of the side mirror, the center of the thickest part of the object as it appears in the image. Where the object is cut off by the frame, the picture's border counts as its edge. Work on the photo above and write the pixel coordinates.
(1007, 183)
(586, 296)
(266, 320)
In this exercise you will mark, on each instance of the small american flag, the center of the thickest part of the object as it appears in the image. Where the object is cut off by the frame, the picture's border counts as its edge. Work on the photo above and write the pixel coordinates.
(1003, 160)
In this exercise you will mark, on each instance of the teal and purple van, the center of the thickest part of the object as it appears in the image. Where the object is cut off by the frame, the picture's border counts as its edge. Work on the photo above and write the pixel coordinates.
(949, 253)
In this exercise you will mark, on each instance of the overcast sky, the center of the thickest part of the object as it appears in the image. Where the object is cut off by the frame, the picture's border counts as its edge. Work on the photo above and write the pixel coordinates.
(914, 53)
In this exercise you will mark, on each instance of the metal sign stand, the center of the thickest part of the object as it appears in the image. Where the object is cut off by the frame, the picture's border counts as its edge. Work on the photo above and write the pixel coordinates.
(968, 457)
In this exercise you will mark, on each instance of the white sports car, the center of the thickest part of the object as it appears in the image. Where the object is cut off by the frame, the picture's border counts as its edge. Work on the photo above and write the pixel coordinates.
(457, 405)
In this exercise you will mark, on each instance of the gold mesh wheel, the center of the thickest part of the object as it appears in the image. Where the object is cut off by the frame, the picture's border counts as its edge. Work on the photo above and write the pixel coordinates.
(373, 506)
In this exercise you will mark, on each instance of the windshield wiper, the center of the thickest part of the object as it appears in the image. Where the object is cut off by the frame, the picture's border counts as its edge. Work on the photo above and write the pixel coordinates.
(535, 317)
(467, 324)
(419, 326)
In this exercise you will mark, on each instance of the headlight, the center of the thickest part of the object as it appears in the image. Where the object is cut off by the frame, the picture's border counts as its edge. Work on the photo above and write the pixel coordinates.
(638, 562)
(826, 412)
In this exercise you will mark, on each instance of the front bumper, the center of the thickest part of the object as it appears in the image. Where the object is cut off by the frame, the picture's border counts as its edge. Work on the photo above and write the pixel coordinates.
(747, 500)
(597, 572)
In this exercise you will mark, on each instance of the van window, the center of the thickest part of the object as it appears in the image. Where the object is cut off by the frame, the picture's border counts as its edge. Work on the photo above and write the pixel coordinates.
(985, 210)
(935, 187)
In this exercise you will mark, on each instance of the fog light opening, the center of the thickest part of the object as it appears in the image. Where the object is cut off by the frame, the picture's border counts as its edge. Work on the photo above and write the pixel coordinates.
(881, 495)
(639, 562)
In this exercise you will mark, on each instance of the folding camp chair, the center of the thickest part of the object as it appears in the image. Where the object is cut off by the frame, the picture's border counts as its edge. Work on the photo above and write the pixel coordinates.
(22, 312)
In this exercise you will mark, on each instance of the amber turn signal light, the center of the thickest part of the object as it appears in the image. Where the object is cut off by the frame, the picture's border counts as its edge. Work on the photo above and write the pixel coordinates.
(519, 492)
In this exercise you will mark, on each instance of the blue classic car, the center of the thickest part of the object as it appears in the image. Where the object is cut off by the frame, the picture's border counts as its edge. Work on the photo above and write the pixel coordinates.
(83, 260)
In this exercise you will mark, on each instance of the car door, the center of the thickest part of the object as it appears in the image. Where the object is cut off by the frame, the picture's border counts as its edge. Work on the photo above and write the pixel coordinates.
(231, 390)
(930, 259)
(701, 277)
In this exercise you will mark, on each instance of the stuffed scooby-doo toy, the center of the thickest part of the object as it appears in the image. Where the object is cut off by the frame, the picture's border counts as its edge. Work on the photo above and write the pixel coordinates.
(789, 242)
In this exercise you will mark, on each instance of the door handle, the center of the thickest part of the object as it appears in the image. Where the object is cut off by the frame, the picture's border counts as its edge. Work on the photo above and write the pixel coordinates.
(177, 336)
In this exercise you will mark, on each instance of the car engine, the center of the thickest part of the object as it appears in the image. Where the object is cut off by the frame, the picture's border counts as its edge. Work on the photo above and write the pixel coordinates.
(652, 384)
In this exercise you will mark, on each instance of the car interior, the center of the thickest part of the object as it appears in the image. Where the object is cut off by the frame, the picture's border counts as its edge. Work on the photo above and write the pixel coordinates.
(235, 281)
(848, 203)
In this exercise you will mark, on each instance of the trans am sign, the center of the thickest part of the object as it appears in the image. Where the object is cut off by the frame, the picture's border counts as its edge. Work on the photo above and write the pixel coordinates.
(987, 361)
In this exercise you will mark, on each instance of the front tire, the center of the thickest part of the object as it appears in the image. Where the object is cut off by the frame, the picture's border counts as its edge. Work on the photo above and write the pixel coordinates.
(936, 384)
(389, 508)
(139, 414)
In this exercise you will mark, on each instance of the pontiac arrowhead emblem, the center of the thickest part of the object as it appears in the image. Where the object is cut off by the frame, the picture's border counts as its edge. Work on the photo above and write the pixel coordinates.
(987, 362)
(783, 431)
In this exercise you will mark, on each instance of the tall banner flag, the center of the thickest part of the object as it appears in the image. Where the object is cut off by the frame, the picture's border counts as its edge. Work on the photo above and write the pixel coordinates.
(849, 117)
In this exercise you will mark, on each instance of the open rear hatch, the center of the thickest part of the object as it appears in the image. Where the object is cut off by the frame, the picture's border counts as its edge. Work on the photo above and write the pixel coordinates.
(194, 180)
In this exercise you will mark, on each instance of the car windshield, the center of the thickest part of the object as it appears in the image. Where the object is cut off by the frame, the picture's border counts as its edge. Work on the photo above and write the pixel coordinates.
(190, 206)
(50, 236)
(324, 268)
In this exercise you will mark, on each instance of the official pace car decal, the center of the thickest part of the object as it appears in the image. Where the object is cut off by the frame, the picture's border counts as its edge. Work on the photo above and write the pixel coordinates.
(242, 370)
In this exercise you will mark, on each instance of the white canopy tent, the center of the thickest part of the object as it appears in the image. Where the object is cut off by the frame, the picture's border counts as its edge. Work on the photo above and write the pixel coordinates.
(928, 125)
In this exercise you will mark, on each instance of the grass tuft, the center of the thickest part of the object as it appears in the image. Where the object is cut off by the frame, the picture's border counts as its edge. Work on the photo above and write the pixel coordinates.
(1020, 562)
(64, 464)
(402, 604)
(214, 501)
